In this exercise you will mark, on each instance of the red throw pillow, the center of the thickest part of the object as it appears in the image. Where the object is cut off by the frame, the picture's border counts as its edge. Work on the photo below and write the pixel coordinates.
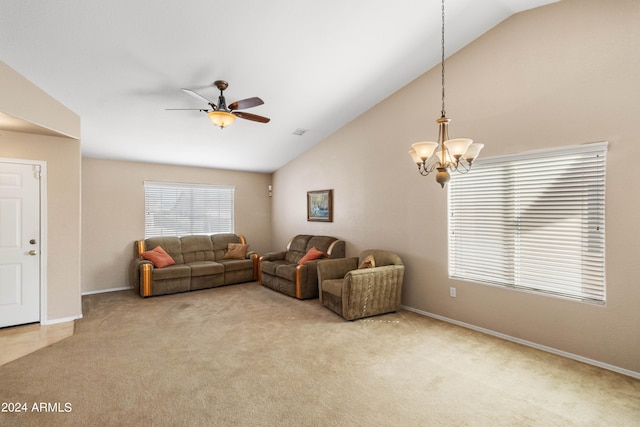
(158, 257)
(311, 254)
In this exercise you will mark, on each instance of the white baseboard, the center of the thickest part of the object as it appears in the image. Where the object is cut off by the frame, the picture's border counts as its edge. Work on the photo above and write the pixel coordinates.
(60, 320)
(101, 291)
(529, 343)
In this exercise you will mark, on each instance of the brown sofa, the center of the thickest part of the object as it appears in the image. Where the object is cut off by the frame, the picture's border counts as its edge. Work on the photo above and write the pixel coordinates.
(200, 263)
(280, 271)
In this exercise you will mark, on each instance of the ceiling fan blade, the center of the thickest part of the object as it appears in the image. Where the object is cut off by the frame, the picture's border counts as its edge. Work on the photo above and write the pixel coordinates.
(198, 96)
(246, 103)
(187, 109)
(253, 117)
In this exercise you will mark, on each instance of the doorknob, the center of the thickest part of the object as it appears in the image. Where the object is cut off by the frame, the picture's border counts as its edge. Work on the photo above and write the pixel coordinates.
(33, 252)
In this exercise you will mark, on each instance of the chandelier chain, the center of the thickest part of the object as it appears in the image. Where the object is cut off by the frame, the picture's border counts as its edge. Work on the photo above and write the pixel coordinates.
(446, 155)
(442, 41)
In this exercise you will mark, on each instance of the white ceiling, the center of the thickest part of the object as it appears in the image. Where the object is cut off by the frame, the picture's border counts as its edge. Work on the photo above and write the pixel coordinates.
(317, 65)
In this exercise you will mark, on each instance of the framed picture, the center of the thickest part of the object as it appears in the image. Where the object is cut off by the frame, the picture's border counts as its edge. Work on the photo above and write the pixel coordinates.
(320, 205)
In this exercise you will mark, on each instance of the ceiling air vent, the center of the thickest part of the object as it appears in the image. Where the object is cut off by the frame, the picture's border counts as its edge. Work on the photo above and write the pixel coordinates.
(300, 131)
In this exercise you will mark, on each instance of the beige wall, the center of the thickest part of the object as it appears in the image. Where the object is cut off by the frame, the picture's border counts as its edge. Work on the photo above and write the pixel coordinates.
(62, 156)
(563, 74)
(24, 100)
(113, 212)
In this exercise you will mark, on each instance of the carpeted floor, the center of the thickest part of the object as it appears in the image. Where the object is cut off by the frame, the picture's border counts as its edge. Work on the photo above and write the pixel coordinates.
(244, 355)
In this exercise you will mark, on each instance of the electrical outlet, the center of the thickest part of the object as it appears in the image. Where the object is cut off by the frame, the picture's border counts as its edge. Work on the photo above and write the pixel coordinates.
(452, 292)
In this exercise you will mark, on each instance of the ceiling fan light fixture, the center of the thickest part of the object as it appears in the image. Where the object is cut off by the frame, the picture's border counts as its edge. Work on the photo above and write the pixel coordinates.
(223, 116)
(221, 119)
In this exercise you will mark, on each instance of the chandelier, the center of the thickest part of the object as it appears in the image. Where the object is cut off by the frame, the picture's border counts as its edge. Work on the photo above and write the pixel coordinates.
(446, 155)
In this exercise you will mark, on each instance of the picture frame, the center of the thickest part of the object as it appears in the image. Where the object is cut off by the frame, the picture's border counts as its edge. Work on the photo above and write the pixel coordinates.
(320, 205)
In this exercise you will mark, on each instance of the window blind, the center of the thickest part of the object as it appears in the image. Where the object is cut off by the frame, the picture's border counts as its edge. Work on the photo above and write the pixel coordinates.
(173, 209)
(532, 221)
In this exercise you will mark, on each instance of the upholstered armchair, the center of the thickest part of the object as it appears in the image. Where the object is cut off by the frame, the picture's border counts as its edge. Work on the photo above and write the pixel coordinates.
(361, 287)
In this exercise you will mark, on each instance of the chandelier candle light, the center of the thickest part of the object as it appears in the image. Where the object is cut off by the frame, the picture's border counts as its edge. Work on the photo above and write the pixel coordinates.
(450, 154)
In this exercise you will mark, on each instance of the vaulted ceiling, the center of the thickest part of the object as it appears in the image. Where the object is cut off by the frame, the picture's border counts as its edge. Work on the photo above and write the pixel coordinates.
(317, 65)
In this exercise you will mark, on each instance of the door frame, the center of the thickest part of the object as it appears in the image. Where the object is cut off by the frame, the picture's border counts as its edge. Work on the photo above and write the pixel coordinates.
(43, 230)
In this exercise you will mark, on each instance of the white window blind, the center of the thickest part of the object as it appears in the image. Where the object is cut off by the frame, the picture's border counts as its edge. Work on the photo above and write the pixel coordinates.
(173, 209)
(532, 221)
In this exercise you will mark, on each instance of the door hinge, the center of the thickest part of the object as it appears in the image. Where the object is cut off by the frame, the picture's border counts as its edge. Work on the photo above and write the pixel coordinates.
(36, 171)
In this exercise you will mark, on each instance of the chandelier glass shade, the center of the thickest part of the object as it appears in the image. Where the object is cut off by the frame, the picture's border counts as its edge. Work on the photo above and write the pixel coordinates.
(446, 155)
(221, 118)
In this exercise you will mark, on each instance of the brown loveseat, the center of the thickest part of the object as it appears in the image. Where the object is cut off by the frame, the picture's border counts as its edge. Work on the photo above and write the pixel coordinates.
(201, 261)
(281, 271)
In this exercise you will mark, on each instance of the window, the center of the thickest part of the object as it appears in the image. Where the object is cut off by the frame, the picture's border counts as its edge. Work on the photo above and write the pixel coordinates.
(532, 221)
(181, 209)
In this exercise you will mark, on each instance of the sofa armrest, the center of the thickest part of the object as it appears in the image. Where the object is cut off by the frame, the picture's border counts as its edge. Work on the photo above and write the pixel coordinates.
(358, 291)
(140, 273)
(273, 256)
(253, 255)
(336, 249)
(375, 275)
(307, 280)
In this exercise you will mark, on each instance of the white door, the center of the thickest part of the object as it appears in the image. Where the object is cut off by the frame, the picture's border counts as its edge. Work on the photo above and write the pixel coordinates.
(19, 244)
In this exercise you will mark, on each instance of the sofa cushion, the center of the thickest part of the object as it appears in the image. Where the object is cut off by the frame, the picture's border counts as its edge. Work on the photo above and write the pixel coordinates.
(236, 264)
(270, 267)
(197, 248)
(170, 244)
(236, 251)
(172, 272)
(333, 286)
(205, 268)
(159, 257)
(322, 243)
(221, 242)
(298, 247)
(287, 271)
(311, 254)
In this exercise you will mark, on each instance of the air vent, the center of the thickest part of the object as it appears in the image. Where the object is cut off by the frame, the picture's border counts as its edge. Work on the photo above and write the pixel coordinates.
(300, 131)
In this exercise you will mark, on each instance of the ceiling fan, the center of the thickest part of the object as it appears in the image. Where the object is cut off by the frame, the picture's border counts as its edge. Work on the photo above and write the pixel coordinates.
(221, 114)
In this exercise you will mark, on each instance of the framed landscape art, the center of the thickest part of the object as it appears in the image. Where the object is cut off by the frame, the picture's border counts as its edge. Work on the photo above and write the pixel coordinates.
(320, 205)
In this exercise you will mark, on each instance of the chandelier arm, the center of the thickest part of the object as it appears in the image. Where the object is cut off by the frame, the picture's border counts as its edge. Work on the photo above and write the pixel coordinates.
(425, 169)
(462, 166)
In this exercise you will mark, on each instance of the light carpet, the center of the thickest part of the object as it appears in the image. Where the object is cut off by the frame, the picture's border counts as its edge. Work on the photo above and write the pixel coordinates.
(244, 355)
